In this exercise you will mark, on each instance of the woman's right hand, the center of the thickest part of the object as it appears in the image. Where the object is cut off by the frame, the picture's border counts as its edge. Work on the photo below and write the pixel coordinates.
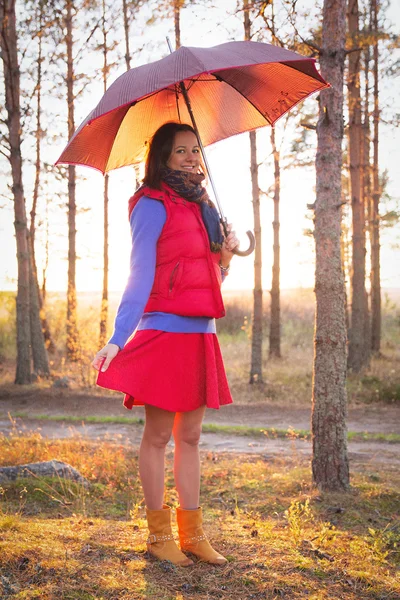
(106, 354)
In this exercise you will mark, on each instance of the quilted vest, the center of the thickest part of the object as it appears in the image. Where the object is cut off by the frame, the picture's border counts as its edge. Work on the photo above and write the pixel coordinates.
(187, 279)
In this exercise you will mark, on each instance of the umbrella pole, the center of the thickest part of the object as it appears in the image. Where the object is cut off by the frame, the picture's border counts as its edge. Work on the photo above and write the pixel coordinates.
(224, 221)
(203, 153)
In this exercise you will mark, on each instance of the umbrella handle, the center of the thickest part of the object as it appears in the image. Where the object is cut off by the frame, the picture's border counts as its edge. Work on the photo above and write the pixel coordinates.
(250, 249)
(250, 235)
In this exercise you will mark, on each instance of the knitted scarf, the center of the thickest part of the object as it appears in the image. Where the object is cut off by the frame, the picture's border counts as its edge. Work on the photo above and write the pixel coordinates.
(189, 186)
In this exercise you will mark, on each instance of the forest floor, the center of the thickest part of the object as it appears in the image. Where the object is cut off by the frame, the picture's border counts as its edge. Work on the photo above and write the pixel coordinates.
(282, 537)
(263, 428)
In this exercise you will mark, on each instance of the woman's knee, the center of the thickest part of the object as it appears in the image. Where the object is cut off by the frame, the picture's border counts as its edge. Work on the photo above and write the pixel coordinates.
(158, 427)
(157, 437)
(188, 435)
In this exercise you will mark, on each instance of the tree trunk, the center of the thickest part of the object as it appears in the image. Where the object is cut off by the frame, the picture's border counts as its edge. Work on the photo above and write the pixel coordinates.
(330, 465)
(126, 33)
(72, 328)
(39, 354)
(9, 53)
(46, 262)
(275, 324)
(358, 348)
(104, 299)
(366, 187)
(256, 374)
(177, 22)
(136, 168)
(376, 194)
(40, 360)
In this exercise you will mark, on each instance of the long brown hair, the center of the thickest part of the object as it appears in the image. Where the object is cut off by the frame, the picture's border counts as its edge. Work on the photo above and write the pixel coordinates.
(160, 150)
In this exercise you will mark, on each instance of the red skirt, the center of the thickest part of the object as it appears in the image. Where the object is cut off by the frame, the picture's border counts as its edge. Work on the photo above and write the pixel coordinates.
(177, 372)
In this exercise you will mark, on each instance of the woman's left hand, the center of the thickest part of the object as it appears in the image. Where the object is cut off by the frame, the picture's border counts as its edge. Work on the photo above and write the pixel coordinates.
(230, 243)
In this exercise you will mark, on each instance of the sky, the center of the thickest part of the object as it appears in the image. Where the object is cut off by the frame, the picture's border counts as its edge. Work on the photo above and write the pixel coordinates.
(229, 161)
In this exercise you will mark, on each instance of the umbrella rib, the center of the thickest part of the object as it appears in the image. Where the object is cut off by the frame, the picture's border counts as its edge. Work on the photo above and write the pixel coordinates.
(245, 97)
(177, 102)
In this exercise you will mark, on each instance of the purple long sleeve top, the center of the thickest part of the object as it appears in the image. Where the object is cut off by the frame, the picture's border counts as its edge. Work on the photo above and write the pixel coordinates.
(147, 220)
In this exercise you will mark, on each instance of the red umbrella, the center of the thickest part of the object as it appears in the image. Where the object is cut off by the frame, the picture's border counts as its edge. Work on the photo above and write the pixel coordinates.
(232, 87)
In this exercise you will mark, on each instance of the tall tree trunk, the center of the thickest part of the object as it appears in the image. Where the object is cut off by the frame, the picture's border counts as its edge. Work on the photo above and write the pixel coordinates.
(177, 22)
(72, 328)
(9, 53)
(376, 194)
(128, 66)
(46, 260)
(358, 352)
(256, 374)
(40, 361)
(126, 34)
(39, 354)
(275, 324)
(330, 465)
(104, 299)
(366, 187)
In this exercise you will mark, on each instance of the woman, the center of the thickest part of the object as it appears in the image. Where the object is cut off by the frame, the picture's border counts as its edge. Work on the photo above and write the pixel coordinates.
(172, 365)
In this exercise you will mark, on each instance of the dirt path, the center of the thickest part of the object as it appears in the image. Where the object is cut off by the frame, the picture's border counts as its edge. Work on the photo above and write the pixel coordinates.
(372, 418)
(366, 452)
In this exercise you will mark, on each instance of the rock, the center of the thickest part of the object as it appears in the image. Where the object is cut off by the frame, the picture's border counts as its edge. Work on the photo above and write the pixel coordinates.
(61, 382)
(50, 468)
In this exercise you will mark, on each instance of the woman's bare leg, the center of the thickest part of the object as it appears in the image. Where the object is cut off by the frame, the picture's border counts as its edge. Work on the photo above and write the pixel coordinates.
(187, 430)
(156, 435)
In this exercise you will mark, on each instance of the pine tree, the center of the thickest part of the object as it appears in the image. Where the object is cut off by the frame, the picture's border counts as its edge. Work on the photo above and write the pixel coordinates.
(72, 326)
(256, 373)
(104, 298)
(376, 195)
(275, 323)
(38, 355)
(330, 465)
(358, 343)
(29, 332)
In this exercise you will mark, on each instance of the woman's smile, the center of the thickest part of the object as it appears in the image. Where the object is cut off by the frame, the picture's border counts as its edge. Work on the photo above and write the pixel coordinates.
(185, 155)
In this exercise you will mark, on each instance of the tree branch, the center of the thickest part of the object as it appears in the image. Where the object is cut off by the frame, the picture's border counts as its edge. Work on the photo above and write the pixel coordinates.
(308, 43)
(308, 125)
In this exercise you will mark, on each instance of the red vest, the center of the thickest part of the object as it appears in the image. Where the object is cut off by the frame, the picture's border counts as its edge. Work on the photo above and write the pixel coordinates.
(188, 277)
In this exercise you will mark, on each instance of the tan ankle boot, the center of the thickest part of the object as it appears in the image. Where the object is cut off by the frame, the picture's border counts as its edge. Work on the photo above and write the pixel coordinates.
(160, 542)
(193, 539)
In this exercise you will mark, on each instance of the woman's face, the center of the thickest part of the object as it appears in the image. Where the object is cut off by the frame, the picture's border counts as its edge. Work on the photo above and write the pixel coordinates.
(185, 155)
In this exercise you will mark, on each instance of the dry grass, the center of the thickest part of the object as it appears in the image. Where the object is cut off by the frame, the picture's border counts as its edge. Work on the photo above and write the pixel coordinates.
(283, 539)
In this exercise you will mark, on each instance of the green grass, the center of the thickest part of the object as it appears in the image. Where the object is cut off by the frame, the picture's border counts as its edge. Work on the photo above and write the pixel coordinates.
(283, 538)
(242, 430)
(75, 419)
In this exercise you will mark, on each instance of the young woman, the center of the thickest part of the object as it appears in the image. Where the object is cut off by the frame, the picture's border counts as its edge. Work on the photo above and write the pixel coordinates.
(172, 365)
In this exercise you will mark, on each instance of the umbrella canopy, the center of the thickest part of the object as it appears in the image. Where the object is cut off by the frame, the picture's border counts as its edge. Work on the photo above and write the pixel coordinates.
(233, 87)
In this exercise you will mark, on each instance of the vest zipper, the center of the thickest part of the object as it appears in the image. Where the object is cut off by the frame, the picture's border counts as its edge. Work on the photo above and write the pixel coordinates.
(171, 279)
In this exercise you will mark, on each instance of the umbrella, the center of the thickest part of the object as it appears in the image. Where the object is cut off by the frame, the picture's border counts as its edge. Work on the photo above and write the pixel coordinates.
(233, 87)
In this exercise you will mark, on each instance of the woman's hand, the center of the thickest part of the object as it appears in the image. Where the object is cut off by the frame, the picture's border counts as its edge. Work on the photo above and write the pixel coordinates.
(230, 243)
(109, 352)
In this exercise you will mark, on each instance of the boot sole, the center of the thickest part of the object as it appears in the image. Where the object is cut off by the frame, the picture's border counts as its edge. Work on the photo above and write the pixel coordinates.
(198, 559)
(155, 558)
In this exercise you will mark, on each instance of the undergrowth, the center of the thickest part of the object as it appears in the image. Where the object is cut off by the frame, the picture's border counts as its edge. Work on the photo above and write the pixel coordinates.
(282, 538)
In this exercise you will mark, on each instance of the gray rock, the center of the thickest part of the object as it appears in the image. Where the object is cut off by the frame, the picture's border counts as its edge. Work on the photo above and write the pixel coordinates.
(61, 382)
(50, 468)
